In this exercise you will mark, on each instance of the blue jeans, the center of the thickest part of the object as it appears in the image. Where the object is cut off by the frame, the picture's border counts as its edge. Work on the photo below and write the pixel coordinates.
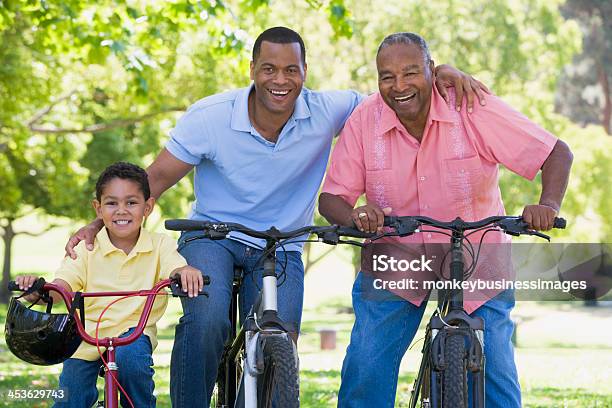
(135, 363)
(382, 332)
(204, 326)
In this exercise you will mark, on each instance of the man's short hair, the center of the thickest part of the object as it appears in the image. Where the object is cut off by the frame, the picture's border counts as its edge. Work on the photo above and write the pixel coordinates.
(279, 35)
(124, 171)
(406, 38)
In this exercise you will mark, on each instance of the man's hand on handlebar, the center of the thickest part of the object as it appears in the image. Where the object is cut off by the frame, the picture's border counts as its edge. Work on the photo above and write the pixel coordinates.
(86, 233)
(369, 217)
(191, 279)
(539, 217)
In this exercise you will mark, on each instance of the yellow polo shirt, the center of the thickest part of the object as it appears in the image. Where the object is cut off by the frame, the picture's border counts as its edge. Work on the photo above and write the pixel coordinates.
(106, 269)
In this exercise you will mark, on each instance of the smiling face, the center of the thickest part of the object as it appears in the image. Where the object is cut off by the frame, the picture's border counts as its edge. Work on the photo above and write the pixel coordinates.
(122, 207)
(278, 74)
(405, 81)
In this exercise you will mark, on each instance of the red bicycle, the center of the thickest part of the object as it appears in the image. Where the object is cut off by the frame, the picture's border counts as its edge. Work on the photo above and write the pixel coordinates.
(51, 335)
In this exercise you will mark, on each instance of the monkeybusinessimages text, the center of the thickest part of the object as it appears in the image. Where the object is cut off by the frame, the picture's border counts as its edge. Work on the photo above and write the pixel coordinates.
(385, 263)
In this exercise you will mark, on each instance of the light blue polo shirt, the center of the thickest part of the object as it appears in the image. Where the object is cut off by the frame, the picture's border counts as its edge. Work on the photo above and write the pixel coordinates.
(241, 177)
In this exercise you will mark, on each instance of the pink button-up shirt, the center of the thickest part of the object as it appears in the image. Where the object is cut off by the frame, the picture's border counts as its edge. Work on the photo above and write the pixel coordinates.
(453, 172)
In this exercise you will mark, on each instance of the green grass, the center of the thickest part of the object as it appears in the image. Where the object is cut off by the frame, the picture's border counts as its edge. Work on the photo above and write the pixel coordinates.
(550, 397)
(582, 370)
(566, 375)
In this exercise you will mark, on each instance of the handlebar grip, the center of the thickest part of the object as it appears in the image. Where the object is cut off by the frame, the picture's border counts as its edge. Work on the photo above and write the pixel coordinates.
(389, 219)
(37, 286)
(13, 287)
(559, 223)
(355, 233)
(185, 225)
(177, 290)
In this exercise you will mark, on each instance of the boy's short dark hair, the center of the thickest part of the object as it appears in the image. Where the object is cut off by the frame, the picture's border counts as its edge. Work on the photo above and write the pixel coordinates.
(279, 35)
(124, 171)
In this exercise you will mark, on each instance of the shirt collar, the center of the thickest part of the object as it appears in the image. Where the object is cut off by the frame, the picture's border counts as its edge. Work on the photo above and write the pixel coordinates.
(144, 243)
(240, 114)
(438, 111)
(301, 110)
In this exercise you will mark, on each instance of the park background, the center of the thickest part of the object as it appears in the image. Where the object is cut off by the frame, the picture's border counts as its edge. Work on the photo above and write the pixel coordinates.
(84, 84)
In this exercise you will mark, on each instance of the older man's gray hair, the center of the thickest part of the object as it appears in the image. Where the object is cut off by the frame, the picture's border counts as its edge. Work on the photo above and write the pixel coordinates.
(406, 38)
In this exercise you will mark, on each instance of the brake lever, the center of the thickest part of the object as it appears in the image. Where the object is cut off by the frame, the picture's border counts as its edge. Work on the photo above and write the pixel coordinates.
(539, 234)
(517, 227)
(351, 242)
(210, 234)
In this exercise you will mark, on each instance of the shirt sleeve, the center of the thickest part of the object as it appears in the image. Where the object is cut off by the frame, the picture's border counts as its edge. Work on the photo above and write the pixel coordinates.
(346, 174)
(344, 103)
(74, 271)
(504, 135)
(169, 258)
(190, 139)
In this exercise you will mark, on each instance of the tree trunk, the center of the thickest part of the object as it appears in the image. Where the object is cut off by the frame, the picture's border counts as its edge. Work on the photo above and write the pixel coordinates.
(306, 257)
(605, 86)
(7, 237)
(309, 262)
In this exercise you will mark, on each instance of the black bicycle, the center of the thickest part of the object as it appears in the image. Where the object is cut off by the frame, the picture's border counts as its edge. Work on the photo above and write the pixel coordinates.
(260, 361)
(454, 341)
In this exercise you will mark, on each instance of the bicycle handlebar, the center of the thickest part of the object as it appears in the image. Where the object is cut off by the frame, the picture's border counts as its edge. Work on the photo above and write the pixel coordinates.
(401, 225)
(42, 287)
(220, 230)
(511, 225)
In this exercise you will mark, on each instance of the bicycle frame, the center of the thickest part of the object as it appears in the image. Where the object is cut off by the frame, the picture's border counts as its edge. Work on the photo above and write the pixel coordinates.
(454, 320)
(429, 375)
(262, 323)
(261, 320)
(110, 343)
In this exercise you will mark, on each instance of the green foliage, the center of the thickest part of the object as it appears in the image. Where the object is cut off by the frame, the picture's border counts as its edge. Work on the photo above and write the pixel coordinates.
(122, 70)
(584, 93)
(84, 84)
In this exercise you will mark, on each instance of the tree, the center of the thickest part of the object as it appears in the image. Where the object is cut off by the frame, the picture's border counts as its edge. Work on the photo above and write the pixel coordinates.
(84, 84)
(585, 93)
(517, 48)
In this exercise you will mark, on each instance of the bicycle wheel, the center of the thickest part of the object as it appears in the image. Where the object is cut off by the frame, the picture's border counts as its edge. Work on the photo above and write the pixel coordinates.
(454, 378)
(217, 399)
(220, 394)
(279, 381)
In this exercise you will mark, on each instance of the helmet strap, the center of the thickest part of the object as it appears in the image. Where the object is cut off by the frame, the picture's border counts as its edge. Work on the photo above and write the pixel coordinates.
(78, 303)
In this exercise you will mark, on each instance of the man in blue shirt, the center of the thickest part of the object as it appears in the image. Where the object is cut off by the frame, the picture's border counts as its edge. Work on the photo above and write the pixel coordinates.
(259, 155)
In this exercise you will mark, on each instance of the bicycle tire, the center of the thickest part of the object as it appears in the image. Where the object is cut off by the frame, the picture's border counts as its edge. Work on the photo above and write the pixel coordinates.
(280, 380)
(454, 381)
(218, 399)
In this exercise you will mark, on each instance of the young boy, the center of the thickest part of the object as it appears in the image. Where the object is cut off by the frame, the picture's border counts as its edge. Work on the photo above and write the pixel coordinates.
(125, 257)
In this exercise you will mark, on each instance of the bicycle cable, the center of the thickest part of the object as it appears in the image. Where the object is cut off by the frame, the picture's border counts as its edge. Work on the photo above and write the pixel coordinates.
(263, 256)
(468, 247)
(471, 270)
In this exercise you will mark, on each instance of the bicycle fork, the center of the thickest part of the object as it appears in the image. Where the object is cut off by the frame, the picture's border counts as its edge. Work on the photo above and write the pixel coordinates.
(267, 314)
(472, 333)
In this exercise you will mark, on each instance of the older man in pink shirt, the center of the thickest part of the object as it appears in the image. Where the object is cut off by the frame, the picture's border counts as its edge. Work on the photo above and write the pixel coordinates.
(412, 154)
